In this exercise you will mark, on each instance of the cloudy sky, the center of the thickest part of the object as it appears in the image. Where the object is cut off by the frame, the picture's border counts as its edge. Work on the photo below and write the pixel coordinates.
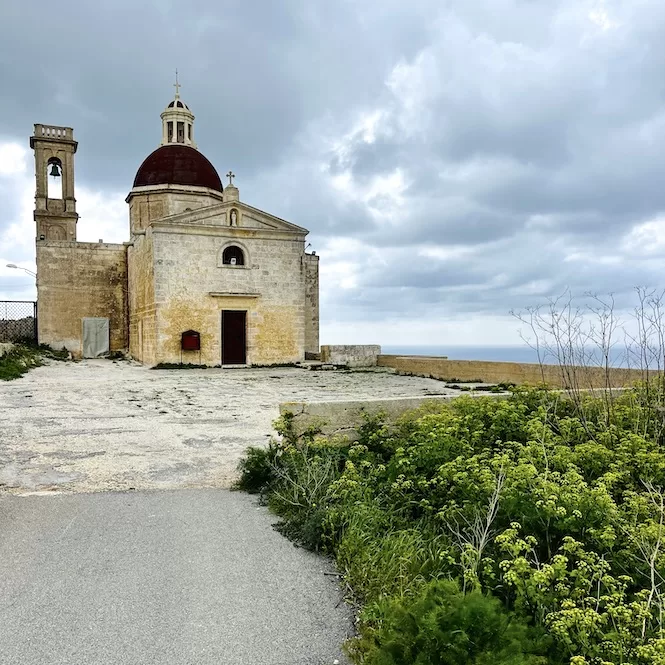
(453, 160)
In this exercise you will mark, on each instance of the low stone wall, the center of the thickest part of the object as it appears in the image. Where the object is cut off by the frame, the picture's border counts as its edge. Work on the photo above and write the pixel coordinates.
(504, 372)
(351, 355)
(344, 418)
(5, 347)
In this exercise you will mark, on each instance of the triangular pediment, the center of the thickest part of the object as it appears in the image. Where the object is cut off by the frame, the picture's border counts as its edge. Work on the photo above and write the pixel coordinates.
(246, 217)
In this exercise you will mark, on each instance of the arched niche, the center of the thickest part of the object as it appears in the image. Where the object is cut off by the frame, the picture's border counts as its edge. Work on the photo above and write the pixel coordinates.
(57, 232)
(233, 250)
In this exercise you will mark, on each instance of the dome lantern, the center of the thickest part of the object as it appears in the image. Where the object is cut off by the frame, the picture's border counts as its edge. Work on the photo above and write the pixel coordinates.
(177, 121)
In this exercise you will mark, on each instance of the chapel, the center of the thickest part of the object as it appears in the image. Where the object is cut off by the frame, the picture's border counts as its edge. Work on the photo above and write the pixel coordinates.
(204, 278)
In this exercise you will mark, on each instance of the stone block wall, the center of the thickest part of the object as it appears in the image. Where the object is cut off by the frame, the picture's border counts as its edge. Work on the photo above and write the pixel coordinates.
(344, 418)
(506, 372)
(311, 304)
(77, 280)
(141, 305)
(164, 200)
(351, 355)
(192, 287)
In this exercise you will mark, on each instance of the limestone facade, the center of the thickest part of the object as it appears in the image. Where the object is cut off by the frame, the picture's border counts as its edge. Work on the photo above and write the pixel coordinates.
(199, 260)
(178, 282)
(77, 280)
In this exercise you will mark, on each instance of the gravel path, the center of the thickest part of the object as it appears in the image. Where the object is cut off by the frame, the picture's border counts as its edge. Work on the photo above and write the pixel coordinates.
(98, 425)
(189, 577)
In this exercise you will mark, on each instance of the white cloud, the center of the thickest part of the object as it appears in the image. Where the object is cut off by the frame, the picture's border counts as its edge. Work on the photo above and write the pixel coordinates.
(600, 16)
(17, 237)
(102, 215)
(13, 159)
(445, 253)
(646, 239)
(340, 269)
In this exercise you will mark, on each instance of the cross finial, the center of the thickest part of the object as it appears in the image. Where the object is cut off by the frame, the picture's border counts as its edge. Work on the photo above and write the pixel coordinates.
(230, 175)
(177, 85)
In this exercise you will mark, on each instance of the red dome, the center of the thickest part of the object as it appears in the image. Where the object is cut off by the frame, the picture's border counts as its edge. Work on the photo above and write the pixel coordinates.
(177, 164)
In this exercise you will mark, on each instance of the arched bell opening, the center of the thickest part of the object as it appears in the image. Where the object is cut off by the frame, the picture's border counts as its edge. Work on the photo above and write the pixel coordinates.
(54, 178)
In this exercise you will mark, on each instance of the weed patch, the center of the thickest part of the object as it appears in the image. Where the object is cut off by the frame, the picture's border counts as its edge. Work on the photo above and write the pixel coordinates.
(493, 388)
(23, 357)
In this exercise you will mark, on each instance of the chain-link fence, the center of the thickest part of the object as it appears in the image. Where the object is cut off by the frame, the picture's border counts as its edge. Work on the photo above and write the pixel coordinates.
(18, 321)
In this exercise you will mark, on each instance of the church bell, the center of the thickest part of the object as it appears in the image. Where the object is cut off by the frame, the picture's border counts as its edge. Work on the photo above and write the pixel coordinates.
(55, 172)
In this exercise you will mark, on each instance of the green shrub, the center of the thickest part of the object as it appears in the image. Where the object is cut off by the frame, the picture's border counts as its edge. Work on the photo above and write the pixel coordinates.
(406, 558)
(24, 356)
(443, 626)
(256, 469)
(299, 492)
(18, 361)
(294, 480)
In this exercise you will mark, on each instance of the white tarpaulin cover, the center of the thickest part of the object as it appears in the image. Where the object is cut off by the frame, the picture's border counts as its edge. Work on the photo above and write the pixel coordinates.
(95, 337)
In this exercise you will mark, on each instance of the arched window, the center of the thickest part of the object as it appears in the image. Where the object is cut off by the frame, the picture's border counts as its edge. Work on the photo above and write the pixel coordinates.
(233, 256)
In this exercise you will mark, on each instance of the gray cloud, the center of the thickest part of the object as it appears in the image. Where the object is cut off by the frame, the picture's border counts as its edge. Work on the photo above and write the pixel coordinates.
(520, 140)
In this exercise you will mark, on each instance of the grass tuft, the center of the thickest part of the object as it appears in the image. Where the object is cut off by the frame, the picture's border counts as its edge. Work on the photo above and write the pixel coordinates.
(23, 357)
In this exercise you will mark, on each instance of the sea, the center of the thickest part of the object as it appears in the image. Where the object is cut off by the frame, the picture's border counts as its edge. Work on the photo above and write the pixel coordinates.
(515, 354)
(619, 356)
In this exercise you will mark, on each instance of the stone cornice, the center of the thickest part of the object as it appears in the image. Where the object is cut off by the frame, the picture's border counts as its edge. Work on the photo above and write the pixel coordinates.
(75, 244)
(226, 231)
(194, 216)
(165, 189)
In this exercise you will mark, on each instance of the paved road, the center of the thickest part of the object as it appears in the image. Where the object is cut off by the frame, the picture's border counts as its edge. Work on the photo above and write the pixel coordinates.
(186, 577)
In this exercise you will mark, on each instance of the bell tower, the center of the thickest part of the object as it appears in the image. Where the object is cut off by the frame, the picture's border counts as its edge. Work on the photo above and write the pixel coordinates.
(55, 205)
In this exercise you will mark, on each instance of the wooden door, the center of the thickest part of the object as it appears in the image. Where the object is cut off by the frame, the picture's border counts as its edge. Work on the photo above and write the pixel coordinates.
(234, 337)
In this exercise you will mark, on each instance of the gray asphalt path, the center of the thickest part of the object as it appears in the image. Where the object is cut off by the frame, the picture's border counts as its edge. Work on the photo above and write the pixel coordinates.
(187, 577)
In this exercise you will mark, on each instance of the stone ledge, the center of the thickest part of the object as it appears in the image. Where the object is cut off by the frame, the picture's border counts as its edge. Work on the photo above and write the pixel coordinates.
(482, 371)
(345, 417)
(351, 355)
